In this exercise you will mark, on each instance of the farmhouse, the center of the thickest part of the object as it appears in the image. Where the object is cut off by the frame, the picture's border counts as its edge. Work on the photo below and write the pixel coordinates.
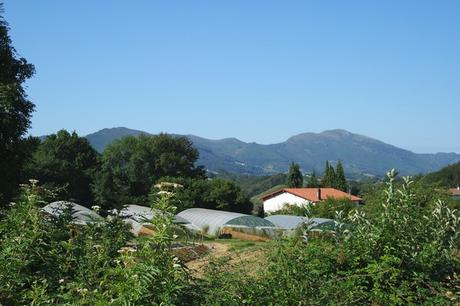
(301, 196)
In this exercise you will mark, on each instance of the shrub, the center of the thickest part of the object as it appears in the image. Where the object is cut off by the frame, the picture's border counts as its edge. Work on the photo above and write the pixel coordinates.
(53, 261)
(401, 255)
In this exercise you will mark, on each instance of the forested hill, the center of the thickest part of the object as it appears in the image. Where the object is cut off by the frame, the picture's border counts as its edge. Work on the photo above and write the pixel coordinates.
(359, 154)
(448, 177)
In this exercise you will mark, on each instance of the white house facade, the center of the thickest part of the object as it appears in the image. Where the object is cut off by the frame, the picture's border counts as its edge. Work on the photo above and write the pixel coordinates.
(302, 196)
(277, 202)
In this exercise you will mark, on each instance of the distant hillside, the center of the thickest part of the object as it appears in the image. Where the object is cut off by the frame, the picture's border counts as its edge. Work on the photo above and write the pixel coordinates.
(104, 137)
(448, 177)
(361, 155)
(253, 185)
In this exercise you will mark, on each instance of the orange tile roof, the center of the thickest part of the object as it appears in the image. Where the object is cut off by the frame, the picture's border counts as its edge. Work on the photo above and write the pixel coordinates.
(311, 194)
(454, 191)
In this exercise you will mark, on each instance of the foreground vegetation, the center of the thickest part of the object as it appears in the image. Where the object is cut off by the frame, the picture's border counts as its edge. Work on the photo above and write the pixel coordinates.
(402, 255)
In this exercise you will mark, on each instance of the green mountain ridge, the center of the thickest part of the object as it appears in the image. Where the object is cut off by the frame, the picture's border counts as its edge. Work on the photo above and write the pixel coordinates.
(360, 155)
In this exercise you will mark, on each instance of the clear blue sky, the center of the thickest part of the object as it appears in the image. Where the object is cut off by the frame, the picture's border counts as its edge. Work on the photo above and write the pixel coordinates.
(256, 70)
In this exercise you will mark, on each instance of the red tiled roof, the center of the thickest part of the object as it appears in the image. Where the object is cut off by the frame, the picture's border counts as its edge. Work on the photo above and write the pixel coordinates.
(454, 191)
(311, 194)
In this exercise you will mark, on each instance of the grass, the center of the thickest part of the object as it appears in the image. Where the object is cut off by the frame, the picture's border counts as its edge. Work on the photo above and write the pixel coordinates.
(238, 246)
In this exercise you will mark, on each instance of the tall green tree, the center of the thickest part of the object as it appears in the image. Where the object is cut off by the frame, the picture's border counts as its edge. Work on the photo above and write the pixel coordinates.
(340, 180)
(65, 159)
(294, 178)
(131, 165)
(15, 113)
(328, 179)
(312, 181)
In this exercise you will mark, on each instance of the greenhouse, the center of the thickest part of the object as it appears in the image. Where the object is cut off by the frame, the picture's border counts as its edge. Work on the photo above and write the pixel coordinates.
(212, 222)
(81, 215)
(288, 222)
(143, 214)
(139, 218)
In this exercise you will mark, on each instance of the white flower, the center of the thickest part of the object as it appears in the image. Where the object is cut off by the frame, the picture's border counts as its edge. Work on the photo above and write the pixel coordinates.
(61, 281)
(165, 192)
(96, 208)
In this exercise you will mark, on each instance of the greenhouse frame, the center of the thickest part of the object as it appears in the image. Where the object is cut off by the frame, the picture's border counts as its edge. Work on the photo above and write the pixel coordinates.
(213, 221)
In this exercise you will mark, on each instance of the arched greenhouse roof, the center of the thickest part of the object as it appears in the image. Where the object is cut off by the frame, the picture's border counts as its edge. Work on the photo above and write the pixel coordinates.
(143, 214)
(292, 222)
(213, 220)
(81, 214)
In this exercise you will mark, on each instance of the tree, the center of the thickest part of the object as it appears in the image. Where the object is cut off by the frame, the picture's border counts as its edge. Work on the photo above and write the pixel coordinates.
(328, 176)
(15, 113)
(340, 180)
(218, 193)
(295, 178)
(131, 165)
(66, 160)
(312, 180)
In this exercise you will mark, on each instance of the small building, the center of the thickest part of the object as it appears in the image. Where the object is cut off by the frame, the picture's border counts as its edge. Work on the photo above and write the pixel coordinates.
(217, 222)
(301, 196)
(455, 193)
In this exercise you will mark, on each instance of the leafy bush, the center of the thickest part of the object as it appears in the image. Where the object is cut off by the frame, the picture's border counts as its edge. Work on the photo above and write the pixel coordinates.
(402, 255)
(329, 207)
(53, 261)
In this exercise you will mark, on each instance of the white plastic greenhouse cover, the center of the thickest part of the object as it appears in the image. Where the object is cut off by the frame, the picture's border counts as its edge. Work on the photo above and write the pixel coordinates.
(143, 214)
(213, 220)
(292, 222)
(81, 214)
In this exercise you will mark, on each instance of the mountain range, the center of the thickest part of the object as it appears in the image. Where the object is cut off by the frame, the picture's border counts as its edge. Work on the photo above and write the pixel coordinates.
(360, 155)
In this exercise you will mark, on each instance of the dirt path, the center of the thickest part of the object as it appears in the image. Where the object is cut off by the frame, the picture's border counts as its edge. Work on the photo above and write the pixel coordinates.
(217, 250)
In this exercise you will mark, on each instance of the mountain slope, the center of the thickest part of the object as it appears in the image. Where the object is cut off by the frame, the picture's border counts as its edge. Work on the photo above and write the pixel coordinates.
(104, 137)
(448, 177)
(360, 155)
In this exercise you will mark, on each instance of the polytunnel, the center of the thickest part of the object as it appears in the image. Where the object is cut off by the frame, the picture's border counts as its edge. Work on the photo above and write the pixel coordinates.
(211, 221)
(143, 214)
(139, 217)
(289, 222)
(81, 215)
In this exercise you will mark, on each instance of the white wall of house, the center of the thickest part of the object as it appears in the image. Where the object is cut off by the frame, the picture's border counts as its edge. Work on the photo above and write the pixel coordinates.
(277, 202)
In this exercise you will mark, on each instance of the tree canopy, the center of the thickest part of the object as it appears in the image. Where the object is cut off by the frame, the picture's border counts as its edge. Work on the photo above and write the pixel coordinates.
(340, 182)
(15, 113)
(294, 178)
(217, 193)
(131, 165)
(328, 176)
(66, 160)
(312, 181)
(334, 178)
